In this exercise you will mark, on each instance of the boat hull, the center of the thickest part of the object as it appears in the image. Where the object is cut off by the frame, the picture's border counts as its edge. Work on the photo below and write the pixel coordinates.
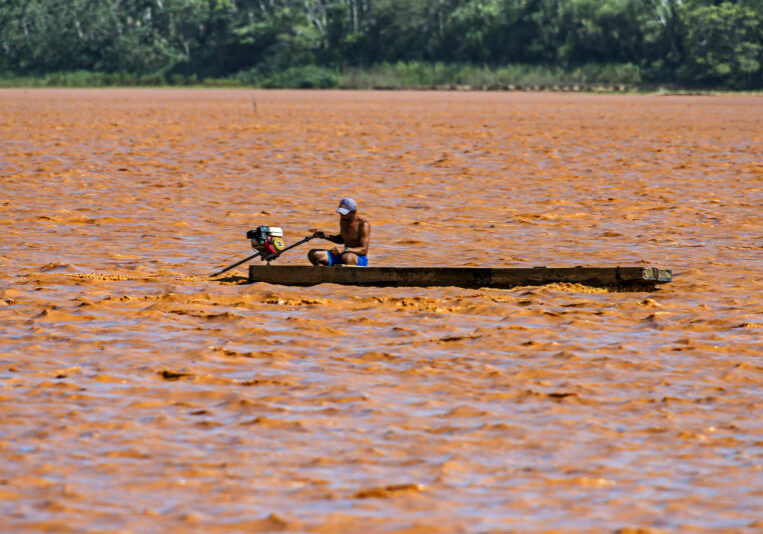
(469, 277)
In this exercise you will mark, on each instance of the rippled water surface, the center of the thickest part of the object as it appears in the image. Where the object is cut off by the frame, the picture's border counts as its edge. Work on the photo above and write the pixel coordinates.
(138, 395)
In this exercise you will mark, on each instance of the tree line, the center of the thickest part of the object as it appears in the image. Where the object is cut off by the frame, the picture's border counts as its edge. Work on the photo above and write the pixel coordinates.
(692, 43)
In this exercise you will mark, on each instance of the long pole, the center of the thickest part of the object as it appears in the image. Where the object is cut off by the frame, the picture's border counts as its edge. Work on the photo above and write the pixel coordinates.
(305, 240)
(229, 267)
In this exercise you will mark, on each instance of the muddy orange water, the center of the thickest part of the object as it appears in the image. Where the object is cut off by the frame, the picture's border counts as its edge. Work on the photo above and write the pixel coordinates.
(138, 395)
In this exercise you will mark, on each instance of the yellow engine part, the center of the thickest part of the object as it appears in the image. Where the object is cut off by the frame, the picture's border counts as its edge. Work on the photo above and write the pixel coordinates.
(278, 243)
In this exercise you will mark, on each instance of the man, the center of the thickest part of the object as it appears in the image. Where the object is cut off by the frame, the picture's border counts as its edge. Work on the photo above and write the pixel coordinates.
(354, 234)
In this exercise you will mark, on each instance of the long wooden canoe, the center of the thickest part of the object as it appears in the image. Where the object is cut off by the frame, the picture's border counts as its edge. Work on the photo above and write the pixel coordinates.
(471, 277)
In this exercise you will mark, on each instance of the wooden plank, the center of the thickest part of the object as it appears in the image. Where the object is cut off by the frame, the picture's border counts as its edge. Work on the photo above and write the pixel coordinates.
(472, 277)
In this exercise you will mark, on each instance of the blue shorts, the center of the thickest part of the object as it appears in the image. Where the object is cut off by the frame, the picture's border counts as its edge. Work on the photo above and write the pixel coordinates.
(336, 259)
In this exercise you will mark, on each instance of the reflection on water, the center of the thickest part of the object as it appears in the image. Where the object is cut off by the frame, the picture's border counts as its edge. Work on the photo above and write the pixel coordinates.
(138, 395)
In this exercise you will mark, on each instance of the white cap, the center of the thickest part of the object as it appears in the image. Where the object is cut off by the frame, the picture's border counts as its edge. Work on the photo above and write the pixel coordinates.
(346, 206)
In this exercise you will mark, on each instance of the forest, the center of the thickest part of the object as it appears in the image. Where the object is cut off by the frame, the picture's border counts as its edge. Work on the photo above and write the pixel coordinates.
(383, 43)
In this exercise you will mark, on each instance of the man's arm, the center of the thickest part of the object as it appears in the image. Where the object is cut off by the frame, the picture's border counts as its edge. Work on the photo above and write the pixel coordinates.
(338, 239)
(364, 238)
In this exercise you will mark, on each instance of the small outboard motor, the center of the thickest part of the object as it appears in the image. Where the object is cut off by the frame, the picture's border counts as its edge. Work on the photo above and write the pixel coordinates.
(267, 240)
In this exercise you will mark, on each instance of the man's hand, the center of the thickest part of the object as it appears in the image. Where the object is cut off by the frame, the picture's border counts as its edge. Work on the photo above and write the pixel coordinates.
(319, 234)
(337, 251)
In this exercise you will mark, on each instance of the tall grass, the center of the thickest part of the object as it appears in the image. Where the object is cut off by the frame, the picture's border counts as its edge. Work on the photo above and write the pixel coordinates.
(417, 75)
(401, 75)
(81, 78)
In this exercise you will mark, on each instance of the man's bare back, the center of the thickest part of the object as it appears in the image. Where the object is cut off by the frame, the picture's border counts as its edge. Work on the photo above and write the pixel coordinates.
(354, 234)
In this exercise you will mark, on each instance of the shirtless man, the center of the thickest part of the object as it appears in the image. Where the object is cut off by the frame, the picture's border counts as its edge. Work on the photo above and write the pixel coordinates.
(354, 234)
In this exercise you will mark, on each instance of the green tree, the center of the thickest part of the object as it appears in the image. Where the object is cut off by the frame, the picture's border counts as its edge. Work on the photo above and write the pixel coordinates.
(663, 49)
(603, 31)
(701, 42)
(471, 31)
(723, 45)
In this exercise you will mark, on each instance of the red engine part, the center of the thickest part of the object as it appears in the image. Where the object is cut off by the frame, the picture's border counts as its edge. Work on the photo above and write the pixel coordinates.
(269, 247)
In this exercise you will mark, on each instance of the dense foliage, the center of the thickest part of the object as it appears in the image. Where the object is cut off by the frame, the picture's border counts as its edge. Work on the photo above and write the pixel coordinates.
(702, 43)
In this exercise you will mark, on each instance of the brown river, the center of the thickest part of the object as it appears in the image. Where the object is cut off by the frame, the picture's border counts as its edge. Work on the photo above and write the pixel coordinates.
(137, 395)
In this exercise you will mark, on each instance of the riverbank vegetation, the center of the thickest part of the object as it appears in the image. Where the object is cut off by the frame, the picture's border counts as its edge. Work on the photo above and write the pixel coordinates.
(393, 44)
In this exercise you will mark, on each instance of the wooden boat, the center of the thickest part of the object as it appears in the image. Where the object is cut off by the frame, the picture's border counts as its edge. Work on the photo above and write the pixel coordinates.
(470, 277)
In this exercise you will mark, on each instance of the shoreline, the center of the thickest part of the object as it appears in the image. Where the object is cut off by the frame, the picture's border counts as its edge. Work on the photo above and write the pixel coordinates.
(603, 89)
(414, 76)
